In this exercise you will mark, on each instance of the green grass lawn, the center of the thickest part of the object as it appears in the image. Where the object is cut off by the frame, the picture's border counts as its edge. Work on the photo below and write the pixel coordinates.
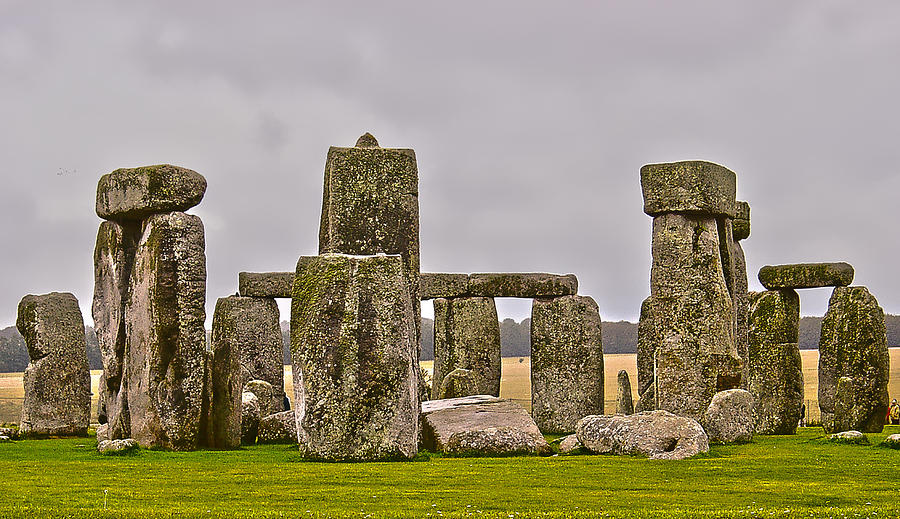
(796, 476)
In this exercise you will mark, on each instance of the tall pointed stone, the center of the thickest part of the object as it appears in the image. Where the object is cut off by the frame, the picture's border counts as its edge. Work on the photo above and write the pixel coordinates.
(467, 336)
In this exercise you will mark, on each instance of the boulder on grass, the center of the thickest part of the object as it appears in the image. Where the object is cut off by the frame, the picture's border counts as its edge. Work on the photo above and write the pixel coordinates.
(892, 441)
(278, 428)
(729, 418)
(249, 418)
(117, 447)
(849, 437)
(659, 435)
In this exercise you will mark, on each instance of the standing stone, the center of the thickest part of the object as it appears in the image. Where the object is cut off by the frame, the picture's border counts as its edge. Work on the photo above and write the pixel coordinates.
(57, 380)
(354, 352)
(458, 383)
(741, 309)
(646, 348)
(854, 344)
(566, 362)
(252, 325)
(136, 193)
(844, 409)
(268, 404)
(776, 372)
(371, 206)
(113, 261)
(624, 403)
(467, 336)
(226, 380)
(165, 335)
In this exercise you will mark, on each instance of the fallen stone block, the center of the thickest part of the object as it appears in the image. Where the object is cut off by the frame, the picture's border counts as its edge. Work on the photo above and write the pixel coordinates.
(806, 275)
(269, 403)
(849, 438)
(135, 193)
(891, 442)
(692, 186)
(530, 285)
(118, 447)
(659, 435)
(729, 418)
(278, 428)
(250, 418)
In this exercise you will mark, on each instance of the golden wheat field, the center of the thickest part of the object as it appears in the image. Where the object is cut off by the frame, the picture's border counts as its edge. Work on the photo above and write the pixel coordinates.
(515, 383)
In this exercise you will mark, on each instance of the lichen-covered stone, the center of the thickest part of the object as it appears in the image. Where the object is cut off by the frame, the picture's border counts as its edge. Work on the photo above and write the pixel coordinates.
(278, 428)
(531, 285)
(624, 402)
(269, 404)
(435, 285)
(225, 378)
(659, 435)
(265, 284)
(118, 447)
(355, 360)
(647, 338)
(467, 336)
(480, 425)
(688, 187)
(741, 303)
(459, 382)
(57, 380)
(370, 206)
(566, 362)
(854, 344)
(774, 317)
(135, 193)
(844, 417)
(250, 418)
(741, 221)
(251, 324)
(165, 333)
(113, 261)
(570, 445)
(806, 275)
(729, 417)
(693, 312)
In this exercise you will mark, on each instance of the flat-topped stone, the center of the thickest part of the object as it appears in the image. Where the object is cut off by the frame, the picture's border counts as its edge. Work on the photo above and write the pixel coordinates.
(806, 275)
(135, 193)
(265, 284)
(532, 284)
(741, 224)
(440, 285)
(430, 406)
(693, 186)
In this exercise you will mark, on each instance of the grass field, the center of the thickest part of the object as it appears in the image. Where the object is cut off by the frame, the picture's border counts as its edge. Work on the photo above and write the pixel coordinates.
(515, 383)
(777, 476)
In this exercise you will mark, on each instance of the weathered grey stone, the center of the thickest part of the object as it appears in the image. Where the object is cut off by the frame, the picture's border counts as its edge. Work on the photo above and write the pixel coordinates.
(647, 339)
(566, 362)
(806, 275)
(854, 344)
(467, 336)
(226, 378)
(480, 425)
(843, 417)
(688, 187)
(278, 428)
(435, 285)
(269, 404)
(355, 360)
(729, 418)
(103, 432)
(655, 434)
(165, 334)
(57, 380)
(624, 402)
(740, 301)
(117, 447)
(774, 317)
(570, 445)
(251, 325)
(892, 441)
(135, 193)
(849, 437)
(532, 284)
(265, 284)
(250, 418)
(371, 206)
(741, 221)
(113, 262)
(647, 400)
(692, 308)
(459, 382)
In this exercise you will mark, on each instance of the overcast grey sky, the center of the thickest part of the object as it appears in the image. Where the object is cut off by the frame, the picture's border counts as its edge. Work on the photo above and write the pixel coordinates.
(530, 121)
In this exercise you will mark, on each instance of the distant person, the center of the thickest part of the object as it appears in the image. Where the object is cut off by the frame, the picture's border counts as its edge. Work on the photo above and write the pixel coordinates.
(802, 415)
(894, 413)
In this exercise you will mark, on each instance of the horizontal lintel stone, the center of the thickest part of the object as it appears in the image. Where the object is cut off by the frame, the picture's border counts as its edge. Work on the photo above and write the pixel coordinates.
(528, 285)
(693, 186)
(438, 285)
(806, 275)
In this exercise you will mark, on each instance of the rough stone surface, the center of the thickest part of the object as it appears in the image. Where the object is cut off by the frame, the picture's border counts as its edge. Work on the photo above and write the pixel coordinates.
(655, 434)
(741, 303)
(892, 441)
(9, 432)
(806, 275)
(250, 418)
(688, 187)
(458, 383)
(355, 359)
(624, 402)
(435, 285)
(278, 428)
(265, 284)
(776, 371)
(251, 326)
(165, 333)
(370, 206)
(741, 221)
(57, 380)
(534, 284)
(646, 347)
(113, 261)
(467, 336)
(729, 418)
(570, 444)
(135, 193)
(566, 362)
(692, 313)
(103, 432)
(849, 437)
(843, 417)
(117, 447)
(854, 344)
(480, 425)
(647, 400)
(226, 379)
(269, 403)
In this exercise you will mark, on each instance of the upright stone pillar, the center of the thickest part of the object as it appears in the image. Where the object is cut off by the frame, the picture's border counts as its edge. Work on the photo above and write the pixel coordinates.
(646, 349)
(776, 372)
(566, 362)
(740, 300)
(467, 336)
(853, 344)
(692, 284)
(226, 379)
(165, 334)
(354, 352)
(371, 206)
(57, 379)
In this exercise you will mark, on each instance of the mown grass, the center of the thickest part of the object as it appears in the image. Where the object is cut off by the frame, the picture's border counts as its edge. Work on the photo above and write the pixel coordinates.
(786, 476)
